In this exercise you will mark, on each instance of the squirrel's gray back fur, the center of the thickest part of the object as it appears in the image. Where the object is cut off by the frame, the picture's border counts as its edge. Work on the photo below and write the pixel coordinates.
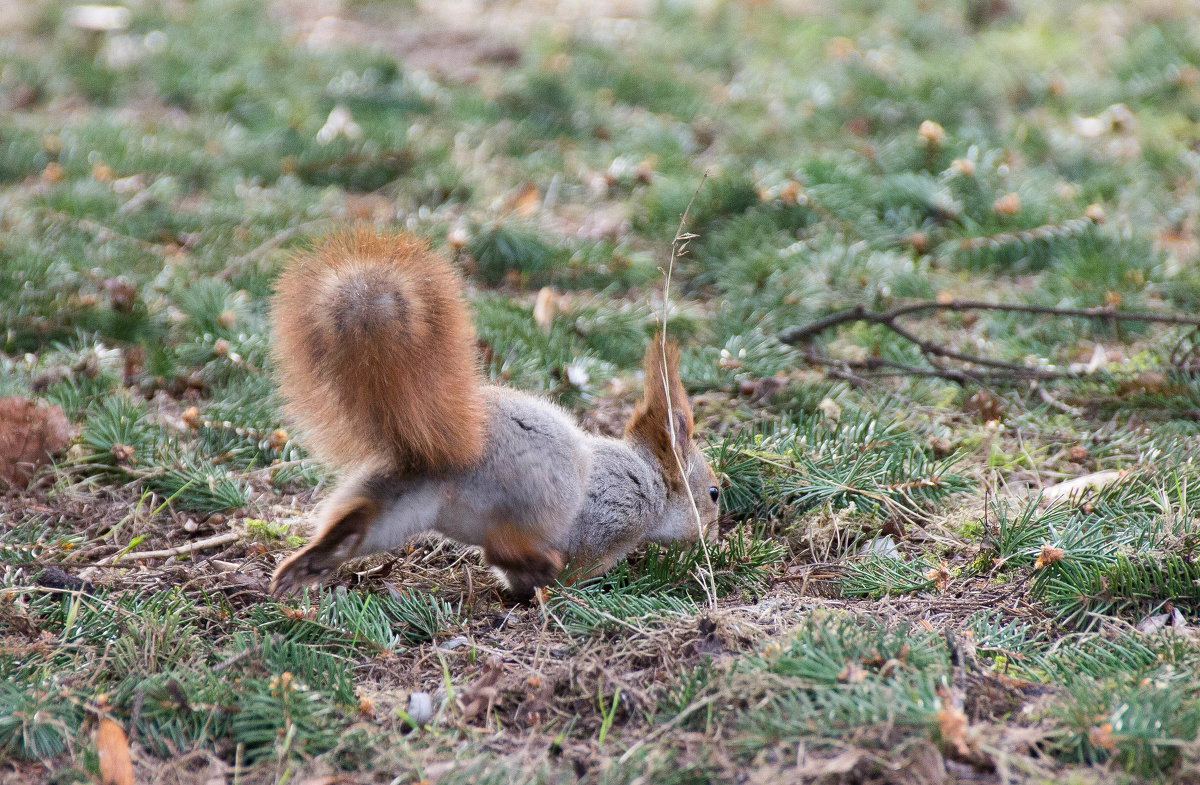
(595, 498)
(532, 475)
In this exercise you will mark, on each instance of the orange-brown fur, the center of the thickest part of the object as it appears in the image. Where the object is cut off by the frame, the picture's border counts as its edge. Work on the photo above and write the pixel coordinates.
(514, 548)
(377, 353)
(347, 522)
(652, 421)
(524, 557)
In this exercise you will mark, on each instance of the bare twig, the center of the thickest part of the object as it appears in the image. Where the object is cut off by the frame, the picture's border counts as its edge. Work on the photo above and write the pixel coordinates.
(1057, 404)
(859, 313)
(879, 366)
(107, 234)
(237, 264)
(986, 368)
(1044, 233)
(166, 553)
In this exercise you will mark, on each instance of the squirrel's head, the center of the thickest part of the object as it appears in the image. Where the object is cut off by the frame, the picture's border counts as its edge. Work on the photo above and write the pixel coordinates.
(663, 425)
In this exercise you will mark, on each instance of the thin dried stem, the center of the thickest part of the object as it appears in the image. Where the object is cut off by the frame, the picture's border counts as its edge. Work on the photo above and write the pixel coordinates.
(678, 247)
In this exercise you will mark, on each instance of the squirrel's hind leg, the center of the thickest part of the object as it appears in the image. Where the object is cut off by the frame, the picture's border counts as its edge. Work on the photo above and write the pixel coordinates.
(367, 514)
(347, 525)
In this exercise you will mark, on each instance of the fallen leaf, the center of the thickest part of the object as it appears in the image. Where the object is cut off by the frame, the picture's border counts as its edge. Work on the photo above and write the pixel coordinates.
(1049, 555)
(546, 307)
(1099, 359)
(1152, 624)
(112, 748)
(952, 724)
(813, 767)
(1149, 382)
(480, 696)
(527, 201)
(1102, 736)
(762, 390)
(29, 434)
(852, 674)
(940, 575)
(925, 766)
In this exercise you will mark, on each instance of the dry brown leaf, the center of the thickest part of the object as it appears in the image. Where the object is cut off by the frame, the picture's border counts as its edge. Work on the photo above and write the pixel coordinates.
(842, 763)
(952, 724)
(113, 750)
(984, 406)
(1147, 382)
(852, 674)
(940, 575)
(1152, 624)
(527, 201)
(29, 434)
(1102, 736)
(1048, 556)
(478, 698)
(546, 307)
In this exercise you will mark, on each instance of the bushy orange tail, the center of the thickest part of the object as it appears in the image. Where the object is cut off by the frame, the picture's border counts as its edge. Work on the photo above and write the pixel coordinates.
(377, 354)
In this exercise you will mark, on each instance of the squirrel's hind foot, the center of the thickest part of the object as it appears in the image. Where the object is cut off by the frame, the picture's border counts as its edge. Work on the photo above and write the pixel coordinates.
(337, 543)
(306, 568)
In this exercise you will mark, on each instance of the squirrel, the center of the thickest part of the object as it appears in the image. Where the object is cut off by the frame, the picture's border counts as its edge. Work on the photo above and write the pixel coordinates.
(378, 366)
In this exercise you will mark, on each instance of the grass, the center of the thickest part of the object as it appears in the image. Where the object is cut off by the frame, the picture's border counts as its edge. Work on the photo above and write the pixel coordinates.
(902, 595)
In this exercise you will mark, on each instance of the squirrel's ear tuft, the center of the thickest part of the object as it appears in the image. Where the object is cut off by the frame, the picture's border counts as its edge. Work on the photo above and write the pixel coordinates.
(665, 412)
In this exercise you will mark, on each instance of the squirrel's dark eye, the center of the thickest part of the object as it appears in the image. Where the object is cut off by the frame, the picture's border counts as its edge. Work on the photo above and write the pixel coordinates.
(714, 493)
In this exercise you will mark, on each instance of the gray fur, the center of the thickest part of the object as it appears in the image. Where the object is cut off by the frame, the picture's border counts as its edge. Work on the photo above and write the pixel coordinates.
(626, 494)
(628, 503)
(591, 499)
(532, 476)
